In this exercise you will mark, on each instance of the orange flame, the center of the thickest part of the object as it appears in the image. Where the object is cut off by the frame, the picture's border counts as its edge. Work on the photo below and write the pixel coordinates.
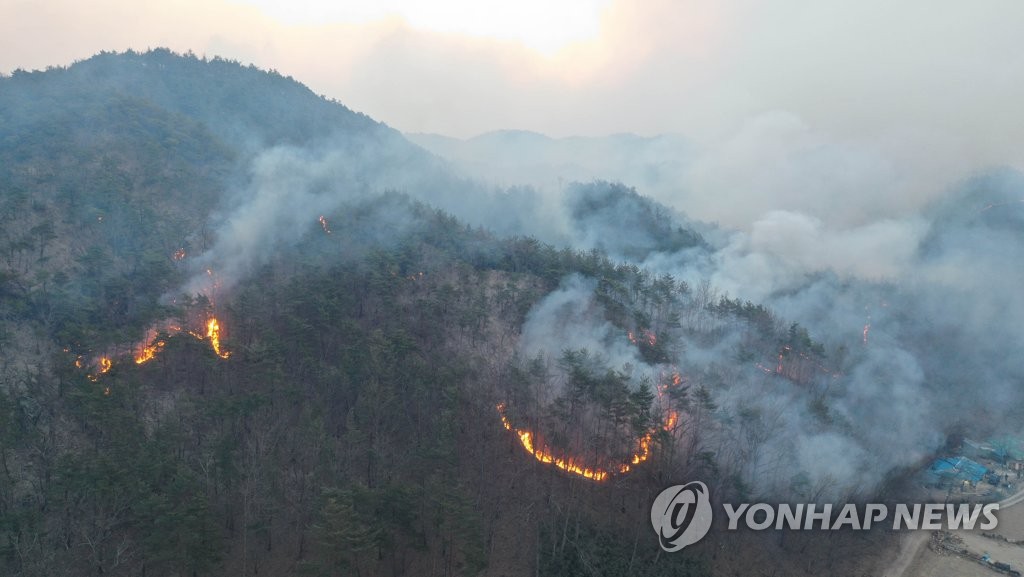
(571, 465)
(645, 334)
(640, 456)
(213, 333)
(104, 365)
(545, 456)
(178, 254)
(152, 345)
(782, 354)
(567, 465)
(148, 352)
(324, 225)
(670, 422)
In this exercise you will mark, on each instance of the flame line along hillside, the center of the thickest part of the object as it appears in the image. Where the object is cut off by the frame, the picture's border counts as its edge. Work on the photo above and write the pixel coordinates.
(149, 347)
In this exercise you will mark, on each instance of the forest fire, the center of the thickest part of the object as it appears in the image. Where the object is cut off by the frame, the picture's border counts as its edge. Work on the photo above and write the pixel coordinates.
(783, 370)
(178, 254)
(575, 466)
(156, 336)
(567, 465)
(782, 354)
(148, 352)
(213, 333)
(154, 343)
(545, 456)
(104, 365)
(324, 225)
(151, 346)
(645, 335)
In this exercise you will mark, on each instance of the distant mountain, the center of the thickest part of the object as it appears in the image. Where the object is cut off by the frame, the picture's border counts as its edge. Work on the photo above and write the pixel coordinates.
(616, 219)
(237, 103)
(653, 164)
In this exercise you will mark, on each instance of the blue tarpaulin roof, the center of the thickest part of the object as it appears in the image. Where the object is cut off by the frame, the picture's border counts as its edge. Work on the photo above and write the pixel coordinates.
(958, 467)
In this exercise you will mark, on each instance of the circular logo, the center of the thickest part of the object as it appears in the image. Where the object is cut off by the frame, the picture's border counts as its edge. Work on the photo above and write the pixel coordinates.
(681, 515)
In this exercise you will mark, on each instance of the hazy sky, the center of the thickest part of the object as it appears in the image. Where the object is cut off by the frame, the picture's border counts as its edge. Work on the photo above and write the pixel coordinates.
(917, 79)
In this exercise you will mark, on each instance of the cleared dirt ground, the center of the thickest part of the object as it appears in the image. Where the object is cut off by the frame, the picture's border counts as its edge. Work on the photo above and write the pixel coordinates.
(917, 559)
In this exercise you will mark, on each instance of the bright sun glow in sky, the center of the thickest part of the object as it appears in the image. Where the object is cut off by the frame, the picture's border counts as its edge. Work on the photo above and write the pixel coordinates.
(926, 82)
(543, 25)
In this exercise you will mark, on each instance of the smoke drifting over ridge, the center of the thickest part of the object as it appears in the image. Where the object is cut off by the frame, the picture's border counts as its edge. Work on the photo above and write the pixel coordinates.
(912, 289)
(913, 286)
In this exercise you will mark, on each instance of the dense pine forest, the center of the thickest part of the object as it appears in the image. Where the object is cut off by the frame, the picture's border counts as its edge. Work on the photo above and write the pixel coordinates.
(213, 365)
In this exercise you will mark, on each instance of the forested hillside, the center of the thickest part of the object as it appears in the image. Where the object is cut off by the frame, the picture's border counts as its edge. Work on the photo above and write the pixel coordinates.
(246, 331)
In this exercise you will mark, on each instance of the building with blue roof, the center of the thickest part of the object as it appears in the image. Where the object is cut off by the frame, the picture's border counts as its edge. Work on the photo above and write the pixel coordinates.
(956, 470)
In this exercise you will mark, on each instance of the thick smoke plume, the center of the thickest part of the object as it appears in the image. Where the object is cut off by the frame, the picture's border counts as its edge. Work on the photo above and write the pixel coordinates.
(910, 283)
(911, 289)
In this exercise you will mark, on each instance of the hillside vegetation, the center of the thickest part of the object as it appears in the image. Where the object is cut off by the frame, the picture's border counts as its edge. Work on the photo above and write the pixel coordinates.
(350, 423)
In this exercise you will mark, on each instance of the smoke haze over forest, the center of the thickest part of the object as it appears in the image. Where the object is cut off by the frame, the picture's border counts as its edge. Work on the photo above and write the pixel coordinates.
(778, 248)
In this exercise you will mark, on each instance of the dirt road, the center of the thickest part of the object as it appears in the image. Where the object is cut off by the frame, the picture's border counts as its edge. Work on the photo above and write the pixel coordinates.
(912, 545)
(910, 562)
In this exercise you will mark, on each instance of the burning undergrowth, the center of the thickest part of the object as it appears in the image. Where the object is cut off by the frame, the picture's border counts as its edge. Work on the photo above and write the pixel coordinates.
(201, 325)
(589, 415)
(793, 406)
